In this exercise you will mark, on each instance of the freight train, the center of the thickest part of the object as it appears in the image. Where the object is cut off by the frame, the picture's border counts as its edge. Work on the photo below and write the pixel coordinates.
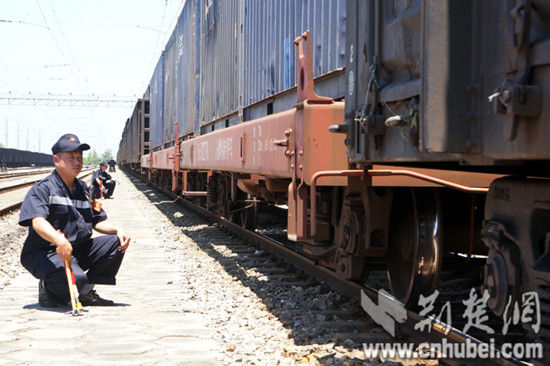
(13, 158)
(401, 132)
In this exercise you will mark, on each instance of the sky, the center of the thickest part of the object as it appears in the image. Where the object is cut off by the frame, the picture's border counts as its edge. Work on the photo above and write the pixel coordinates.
(77, 48)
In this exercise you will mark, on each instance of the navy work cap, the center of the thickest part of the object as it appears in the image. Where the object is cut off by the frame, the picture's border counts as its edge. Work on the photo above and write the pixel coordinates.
(68, 142)
(103, 163)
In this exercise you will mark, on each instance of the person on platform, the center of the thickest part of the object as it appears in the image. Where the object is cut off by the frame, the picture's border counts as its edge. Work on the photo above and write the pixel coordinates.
(112, 165)
(60, 220)
(102, 182)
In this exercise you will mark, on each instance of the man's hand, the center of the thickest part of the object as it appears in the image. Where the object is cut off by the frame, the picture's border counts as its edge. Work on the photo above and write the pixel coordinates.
(64, 248)
(105, 227)
(64, 251)
(124, 240)
(47, 232)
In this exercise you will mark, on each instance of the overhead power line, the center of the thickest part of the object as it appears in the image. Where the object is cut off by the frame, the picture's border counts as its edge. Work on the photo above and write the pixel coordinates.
(52, 100)
(22, 22)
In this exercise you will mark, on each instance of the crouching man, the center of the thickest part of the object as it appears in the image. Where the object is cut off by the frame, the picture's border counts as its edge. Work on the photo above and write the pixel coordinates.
(60, 220)
(100, 178)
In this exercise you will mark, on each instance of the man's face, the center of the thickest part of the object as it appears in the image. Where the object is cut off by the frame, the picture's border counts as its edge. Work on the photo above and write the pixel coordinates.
(103, 168)
(68, 162)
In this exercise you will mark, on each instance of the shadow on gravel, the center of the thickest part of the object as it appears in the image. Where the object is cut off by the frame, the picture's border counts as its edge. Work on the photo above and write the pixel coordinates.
(37, 306)
(67, 309)
(310, 310)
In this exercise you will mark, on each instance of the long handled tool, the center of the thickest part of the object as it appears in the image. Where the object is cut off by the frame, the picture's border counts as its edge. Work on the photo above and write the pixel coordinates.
(79, 306)
(73, 290)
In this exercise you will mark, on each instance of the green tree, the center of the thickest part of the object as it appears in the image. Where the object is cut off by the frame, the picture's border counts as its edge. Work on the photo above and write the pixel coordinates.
(92, 159)
(107, 155)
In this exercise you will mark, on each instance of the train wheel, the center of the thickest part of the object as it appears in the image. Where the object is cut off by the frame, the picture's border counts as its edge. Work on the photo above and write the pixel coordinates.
(249, 214)
(414, 256)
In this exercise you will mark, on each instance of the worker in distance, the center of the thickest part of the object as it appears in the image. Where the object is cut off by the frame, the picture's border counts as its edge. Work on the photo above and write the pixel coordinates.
(112, 165)
(102, 182)
(60, 220)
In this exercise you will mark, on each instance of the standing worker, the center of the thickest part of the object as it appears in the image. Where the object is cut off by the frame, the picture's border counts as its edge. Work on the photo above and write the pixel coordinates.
(112, 165)
(101, 177)
(60, 220)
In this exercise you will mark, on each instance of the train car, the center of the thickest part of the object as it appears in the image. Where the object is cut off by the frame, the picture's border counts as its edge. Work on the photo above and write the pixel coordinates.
(427, 143)
(135, 136)
(451, 89)
(14, 158)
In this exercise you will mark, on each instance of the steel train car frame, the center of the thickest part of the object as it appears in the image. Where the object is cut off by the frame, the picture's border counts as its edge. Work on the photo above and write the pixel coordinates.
(14, 158)
(412, 164)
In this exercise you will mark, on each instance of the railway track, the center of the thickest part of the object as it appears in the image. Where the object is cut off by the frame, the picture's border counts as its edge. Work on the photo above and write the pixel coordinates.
(23, 172)
(11, 196)
(250, 251)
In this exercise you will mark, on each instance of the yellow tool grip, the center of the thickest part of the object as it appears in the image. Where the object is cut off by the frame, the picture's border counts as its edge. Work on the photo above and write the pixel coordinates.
(70, 283)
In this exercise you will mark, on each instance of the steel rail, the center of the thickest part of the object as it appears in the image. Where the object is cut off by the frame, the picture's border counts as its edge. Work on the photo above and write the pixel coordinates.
(348, 288)
(30, 183)
(22, 174)
(6, 209)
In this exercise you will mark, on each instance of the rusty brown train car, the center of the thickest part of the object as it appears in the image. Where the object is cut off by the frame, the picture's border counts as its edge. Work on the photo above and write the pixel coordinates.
(429, 137)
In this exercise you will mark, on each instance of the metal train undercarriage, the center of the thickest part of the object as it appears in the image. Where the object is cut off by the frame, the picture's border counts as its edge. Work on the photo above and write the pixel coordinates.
(355, 215)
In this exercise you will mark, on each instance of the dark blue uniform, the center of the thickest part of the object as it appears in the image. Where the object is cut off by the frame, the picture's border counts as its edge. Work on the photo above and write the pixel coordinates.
(107, 183)
(73, 215)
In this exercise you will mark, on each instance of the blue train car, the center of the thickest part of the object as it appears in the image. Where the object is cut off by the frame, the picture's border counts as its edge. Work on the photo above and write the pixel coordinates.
(231, 61)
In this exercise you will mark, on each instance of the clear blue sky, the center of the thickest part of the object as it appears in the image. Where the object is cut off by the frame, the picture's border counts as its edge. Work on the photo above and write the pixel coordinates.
(78, 47)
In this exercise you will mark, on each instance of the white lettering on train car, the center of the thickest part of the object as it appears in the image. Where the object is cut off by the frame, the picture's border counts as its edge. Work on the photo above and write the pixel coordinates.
(202, 153)
(224, 149)
(256, 145)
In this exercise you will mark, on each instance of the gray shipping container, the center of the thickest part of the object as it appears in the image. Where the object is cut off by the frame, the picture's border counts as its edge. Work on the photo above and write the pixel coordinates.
(123, 146)
(436, 62)
(147, 94)
(219, 62)
(171, 78)
(248, 53)
(270, 27)
(157, 105)
(182, 56)
(226, 57)
(132, 136)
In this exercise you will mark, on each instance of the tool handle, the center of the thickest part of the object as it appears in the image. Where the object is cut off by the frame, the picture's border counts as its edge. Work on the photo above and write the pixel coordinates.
(75, 291)
(70, 282)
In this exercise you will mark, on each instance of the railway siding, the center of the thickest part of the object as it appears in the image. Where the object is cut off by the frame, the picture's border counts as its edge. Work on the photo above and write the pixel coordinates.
(13, 193)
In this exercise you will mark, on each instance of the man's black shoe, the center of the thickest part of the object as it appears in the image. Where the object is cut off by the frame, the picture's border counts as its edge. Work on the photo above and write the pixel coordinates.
(93, 299)
(45, 298)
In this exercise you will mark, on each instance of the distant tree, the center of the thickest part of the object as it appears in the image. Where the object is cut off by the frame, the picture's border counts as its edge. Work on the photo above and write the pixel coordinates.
(107, 155)
(1, 145)
(92, 159)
